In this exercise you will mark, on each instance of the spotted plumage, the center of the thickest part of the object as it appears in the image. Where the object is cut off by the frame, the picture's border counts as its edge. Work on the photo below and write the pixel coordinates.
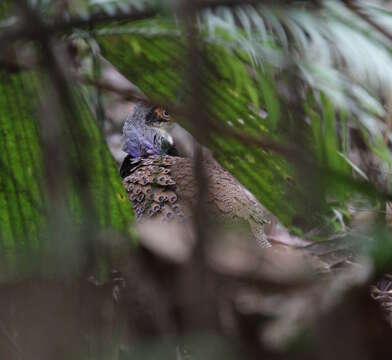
(171, 191)
(152, 190)
(162, 186)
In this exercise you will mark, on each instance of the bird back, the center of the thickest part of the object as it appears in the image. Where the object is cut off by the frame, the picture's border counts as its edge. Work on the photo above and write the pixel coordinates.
(165, 188)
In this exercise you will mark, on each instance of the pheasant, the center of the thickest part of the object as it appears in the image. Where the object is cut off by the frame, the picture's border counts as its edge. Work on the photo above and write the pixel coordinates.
(161, 184)
(158, 176)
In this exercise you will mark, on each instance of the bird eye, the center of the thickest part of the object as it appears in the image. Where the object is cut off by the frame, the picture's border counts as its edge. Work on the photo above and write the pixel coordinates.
(161, 115)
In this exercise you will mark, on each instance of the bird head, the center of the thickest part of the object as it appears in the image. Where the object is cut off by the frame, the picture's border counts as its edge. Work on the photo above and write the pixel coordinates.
(157, 116)
(143, 132)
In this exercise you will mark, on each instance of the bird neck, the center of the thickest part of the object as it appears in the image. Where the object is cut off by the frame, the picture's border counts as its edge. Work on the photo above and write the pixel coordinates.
(141, 140)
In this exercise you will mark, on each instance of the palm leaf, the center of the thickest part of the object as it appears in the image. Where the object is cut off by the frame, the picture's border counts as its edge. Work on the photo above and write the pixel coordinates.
(233, 99)
(25, 234)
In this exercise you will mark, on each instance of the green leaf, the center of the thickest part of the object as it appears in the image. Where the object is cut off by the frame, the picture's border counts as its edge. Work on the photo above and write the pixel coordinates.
(26, 236)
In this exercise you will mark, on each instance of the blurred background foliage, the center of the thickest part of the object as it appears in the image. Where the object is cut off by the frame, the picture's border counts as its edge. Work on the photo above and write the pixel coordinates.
(249, 55)
(25, 203)
(298, 101)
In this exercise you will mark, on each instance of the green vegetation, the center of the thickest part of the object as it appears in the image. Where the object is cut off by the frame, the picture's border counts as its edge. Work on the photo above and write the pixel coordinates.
(295, 101)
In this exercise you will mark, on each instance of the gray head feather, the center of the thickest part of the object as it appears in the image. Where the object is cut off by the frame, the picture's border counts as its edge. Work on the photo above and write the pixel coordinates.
(142, 139)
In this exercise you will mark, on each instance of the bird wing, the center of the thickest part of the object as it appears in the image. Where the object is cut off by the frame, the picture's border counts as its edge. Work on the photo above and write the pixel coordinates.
(152, 190)
(165, 187)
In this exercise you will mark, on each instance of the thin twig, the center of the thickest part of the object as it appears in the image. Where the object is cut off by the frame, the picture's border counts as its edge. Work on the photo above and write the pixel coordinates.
(11, 340)
(258, 141)
(127, 94)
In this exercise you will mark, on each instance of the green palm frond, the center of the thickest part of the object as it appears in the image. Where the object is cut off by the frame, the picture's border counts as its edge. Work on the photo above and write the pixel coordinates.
(335, 51)
(233, 98)
(28, 240)
(248, 52)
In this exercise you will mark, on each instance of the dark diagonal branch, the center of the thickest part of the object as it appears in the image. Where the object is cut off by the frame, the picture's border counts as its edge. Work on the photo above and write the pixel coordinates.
(23, 32)
(126, 94)
(26, 32)
(213, 4)
(257, 141)
(358, 10)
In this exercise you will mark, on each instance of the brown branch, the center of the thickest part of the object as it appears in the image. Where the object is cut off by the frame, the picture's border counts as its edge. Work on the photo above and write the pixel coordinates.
(127, 94)
(200, 287)
(358, 10)
(99, 19)
(26, 32)
(258, 141)
(212, 4)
